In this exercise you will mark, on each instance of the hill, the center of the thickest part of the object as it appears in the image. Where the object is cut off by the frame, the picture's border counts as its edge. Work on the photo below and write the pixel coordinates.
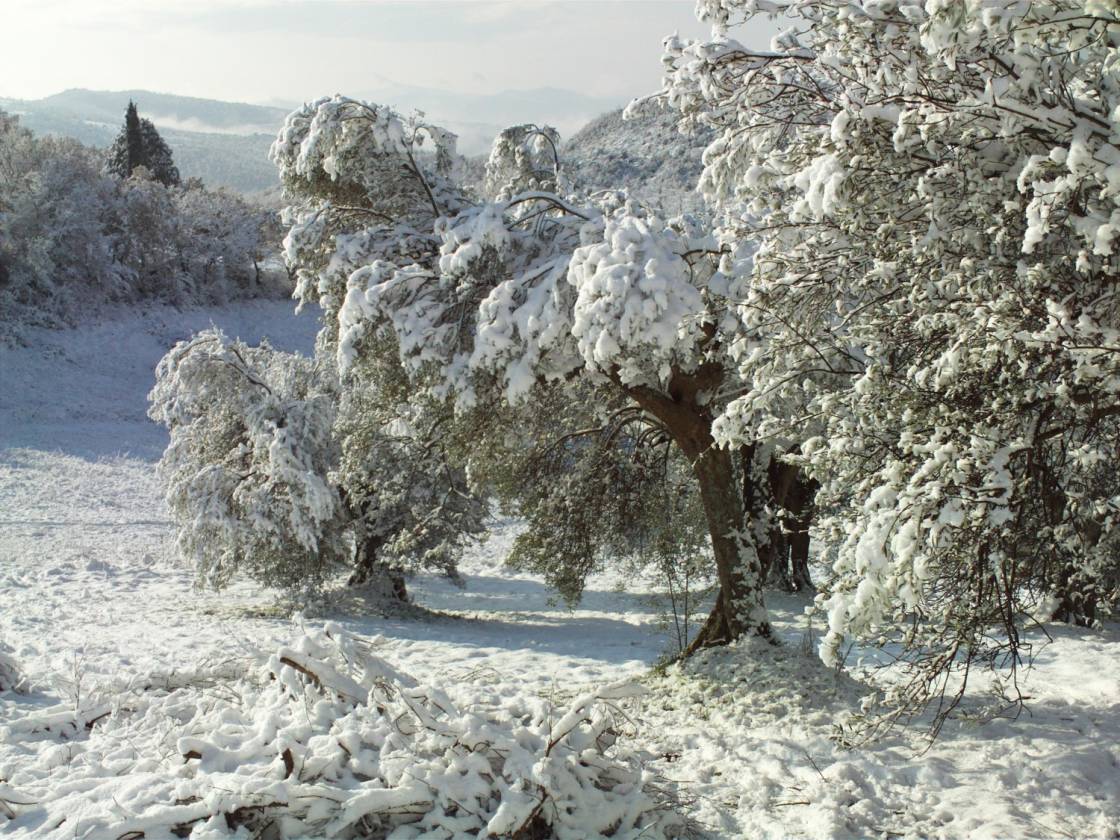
(645, 154)
(226, 143)
(223, 143)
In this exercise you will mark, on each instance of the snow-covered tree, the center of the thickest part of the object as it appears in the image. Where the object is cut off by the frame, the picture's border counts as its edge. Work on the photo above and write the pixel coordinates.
(489, 302)
(221, 240)
(72, 239)
(147, 237)
(372, 183)
(272, 472)
(55, 235)
(247, 468)
(409, 497)
(523, 157)
(139, 144)
(934, 192)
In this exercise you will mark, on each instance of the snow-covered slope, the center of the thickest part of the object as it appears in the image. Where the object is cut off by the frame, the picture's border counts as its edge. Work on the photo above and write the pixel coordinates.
(101, 619)
(645, 154)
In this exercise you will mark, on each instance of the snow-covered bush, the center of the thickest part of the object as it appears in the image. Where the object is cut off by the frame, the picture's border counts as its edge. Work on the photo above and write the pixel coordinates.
(932, 188)
(329, 740)
(247, 468)
(273, 472)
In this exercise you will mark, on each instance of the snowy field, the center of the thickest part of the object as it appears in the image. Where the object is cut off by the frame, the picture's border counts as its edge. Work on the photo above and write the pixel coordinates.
(92, 601)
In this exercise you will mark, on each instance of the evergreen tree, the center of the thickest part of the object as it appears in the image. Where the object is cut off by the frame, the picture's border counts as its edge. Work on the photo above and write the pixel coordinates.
(158, 155)
(133, 140)
(139, 144)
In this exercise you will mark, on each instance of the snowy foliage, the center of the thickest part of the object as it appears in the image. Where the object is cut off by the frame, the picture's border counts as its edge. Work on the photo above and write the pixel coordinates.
(640, 309)
(933, 190)
(273, 472)
(484, 302)
(72, 239)
(523, 158)
(328, 740)
(411, 502)
(334, 155)
(247, 467)
(597, 487)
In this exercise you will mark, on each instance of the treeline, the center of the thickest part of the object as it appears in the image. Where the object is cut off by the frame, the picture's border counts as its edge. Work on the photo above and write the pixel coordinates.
(75, 236)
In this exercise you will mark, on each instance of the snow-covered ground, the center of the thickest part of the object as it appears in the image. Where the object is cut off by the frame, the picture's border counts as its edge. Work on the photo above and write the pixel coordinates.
(92, 597)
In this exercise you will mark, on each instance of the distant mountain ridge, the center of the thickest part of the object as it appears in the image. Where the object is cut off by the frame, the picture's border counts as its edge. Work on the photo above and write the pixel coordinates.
(211, 116)
(223, 143)
(226, 143)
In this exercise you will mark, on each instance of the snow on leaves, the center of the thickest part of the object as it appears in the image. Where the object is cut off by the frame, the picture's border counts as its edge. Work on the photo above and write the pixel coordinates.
(933, 190)
(638, 308)
(247, 467)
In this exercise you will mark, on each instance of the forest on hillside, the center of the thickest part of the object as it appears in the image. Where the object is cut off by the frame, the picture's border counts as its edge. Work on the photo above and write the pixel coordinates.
(82, 228)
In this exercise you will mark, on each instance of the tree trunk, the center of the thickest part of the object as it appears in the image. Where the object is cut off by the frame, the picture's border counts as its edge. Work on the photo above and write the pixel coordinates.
(792, 494)
(761, 491)
(799, 561)
(683, 409)
(369, 568)
(739, 609)
(1077, 604)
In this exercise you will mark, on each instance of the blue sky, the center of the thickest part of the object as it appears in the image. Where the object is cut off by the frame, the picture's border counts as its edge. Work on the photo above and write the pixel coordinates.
(292, 50)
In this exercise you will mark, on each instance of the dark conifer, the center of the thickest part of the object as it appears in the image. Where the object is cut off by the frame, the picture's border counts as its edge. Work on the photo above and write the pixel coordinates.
(134, 141)
(139, 144)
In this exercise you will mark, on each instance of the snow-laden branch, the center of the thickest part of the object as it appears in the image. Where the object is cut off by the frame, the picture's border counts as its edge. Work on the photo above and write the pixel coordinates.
(330, 740)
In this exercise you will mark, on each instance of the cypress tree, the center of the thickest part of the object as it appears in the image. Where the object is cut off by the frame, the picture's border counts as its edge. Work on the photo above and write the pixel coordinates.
(134, 140)
(157, 155)
(139, 144)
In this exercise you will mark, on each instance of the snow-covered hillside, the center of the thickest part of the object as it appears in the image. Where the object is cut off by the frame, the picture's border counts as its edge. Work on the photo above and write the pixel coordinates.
(141, 708)
(646, 154)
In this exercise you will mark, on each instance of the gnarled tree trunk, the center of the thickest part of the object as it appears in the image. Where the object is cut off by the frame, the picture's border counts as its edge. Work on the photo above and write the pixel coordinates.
(792, 495)
(368, 567)
(739, 609)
